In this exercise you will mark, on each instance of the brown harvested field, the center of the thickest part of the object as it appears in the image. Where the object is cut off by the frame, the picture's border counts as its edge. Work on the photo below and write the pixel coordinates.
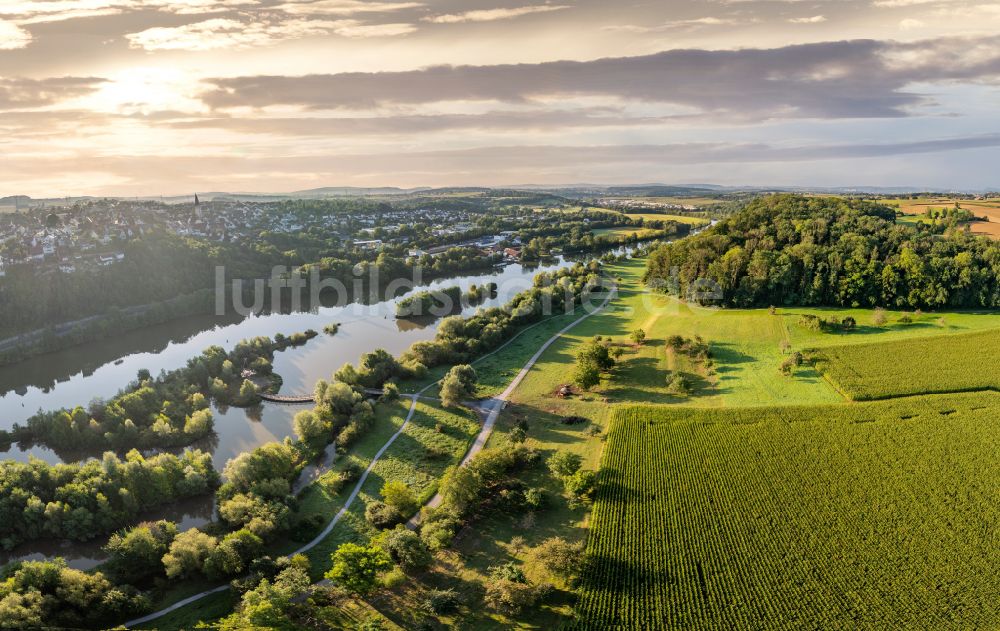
(989, 209)
(983, 208)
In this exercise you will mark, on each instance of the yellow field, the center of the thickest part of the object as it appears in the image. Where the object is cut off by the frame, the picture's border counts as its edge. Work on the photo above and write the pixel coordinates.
(694, 221)
(624, 232)
(686, 201)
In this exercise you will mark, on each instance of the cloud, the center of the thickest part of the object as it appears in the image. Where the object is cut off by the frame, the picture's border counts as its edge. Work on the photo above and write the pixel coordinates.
(343, 7)
(816, 19)
(690, 25)
(535, 120)
(225, 33)
(849, 79)
(32, 12)
(895, 4)
(489, 15)
(910, 24)
(13, 36)
(26, 93)
(353, 28)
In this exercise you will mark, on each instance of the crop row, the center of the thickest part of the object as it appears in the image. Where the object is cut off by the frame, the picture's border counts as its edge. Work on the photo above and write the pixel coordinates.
(953, 363)
(874, 515)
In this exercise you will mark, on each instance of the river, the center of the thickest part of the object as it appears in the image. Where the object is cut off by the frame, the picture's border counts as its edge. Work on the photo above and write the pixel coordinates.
(100, 369)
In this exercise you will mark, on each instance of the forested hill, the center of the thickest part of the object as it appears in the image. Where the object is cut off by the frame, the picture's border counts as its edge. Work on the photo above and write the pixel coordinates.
(790, 249)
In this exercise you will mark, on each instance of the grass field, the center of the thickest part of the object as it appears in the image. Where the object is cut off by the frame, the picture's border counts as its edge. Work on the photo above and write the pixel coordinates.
(953, 363)
(862, 516)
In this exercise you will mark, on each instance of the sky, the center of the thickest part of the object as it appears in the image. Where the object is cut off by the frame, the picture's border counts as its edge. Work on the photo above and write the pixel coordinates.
(171, 97)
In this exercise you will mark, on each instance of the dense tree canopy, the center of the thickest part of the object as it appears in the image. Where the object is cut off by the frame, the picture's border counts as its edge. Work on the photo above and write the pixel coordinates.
(38, 500)
(790, 249)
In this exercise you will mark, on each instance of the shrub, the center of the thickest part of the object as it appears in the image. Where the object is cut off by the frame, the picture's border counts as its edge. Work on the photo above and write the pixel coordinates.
(879, 317)
(405, 548)
(441, 601)
(381, 515)
(678, 384)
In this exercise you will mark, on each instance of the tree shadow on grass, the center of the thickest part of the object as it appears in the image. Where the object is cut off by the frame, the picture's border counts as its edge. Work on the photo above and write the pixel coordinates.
(727, 355)
(547, 427)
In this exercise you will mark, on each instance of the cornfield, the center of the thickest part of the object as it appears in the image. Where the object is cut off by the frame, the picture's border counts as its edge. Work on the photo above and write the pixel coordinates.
(953, 363)
(868, 516)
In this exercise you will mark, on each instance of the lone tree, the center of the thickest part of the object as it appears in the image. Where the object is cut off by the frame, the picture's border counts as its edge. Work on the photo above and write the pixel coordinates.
(458, 384)
(559, 557)
(591, 361)
(637, 336)
(564, 463)
(586, 374)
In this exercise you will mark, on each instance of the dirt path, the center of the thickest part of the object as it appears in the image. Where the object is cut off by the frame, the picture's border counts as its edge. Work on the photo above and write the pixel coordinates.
(497, 404)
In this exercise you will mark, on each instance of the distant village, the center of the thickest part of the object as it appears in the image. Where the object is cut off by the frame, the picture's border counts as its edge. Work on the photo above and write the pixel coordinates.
(65, 239)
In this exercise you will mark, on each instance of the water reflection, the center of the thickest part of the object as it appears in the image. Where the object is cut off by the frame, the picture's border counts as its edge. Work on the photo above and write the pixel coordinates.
(166, 347)
(84, 555)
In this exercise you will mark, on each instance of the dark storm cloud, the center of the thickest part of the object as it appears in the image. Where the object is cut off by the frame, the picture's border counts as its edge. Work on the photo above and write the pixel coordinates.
(18, 93)
(848, 79)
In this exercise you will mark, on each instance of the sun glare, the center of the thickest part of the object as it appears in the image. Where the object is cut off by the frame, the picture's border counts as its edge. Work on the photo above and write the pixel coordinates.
(144, 90)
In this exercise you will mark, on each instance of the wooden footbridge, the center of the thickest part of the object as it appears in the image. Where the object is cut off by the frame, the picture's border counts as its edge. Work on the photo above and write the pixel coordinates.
(306, 398)
(287, 398)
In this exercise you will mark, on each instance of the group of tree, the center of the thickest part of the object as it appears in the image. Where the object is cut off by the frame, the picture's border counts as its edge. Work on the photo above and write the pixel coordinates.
(49, 595)
(398, 503)
(791, 249)
(377, 368)
(437, 303)
(82, 501)
(342, 413)
(814, 322)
